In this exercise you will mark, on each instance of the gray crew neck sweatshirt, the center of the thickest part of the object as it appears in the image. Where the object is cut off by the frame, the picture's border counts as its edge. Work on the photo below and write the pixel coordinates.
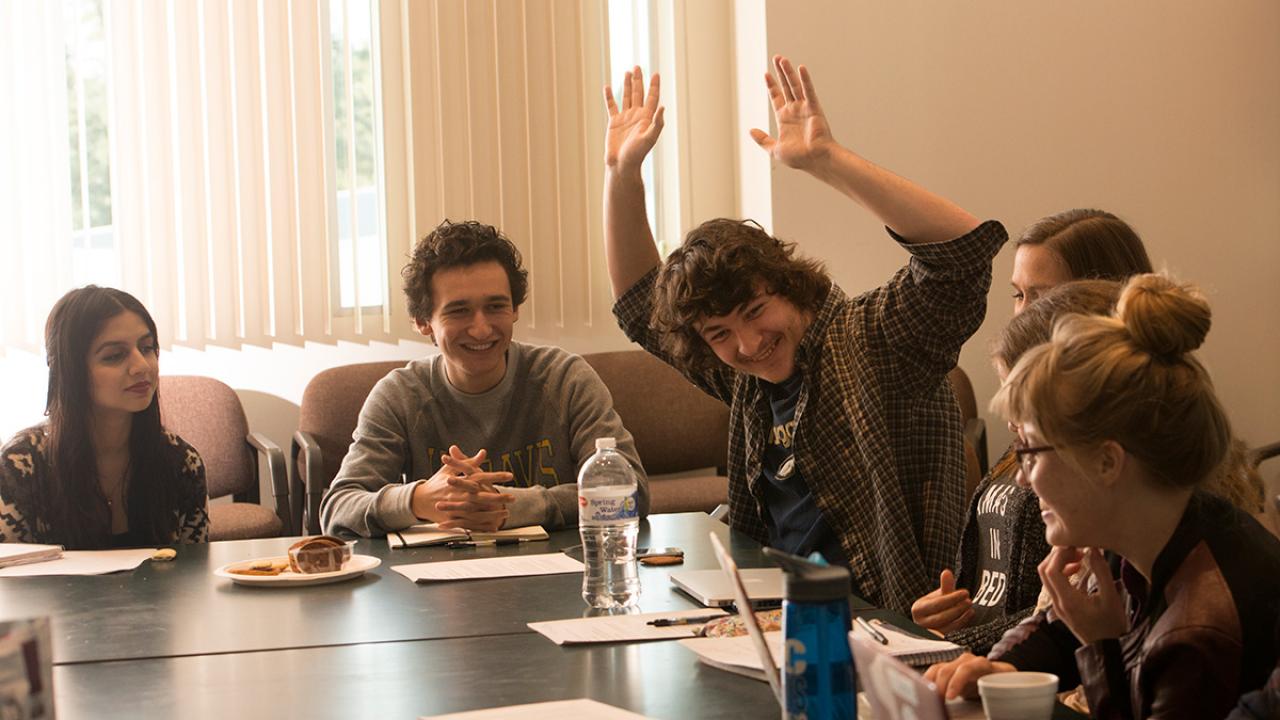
(540, 423)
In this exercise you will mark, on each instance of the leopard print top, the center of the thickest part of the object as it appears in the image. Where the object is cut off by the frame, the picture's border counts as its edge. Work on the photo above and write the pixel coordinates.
(24, 465)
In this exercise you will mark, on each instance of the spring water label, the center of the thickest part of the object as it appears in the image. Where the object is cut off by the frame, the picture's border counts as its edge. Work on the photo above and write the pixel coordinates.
(608, 506)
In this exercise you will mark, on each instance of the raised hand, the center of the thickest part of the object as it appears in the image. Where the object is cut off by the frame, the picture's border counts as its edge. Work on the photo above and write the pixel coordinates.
(803, 134)
(1091, 616)
(945, 609)
(634, 129)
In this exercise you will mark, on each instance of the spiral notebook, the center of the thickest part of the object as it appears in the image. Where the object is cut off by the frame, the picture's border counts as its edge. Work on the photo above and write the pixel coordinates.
(911, 649)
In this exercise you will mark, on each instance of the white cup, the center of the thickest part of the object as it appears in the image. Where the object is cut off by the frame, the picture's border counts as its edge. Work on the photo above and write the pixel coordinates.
(1018, 695)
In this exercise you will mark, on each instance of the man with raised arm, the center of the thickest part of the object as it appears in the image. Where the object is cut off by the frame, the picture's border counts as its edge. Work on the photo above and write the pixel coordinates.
(490, 433)
(844, 435)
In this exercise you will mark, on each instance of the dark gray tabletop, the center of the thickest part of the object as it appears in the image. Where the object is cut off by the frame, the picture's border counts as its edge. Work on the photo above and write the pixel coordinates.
(404, 680)
(181, 608)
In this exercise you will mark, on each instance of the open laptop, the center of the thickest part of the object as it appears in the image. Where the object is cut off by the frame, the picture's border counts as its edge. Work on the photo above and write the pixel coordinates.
(894, 689)
(729, 569)
(714, 588)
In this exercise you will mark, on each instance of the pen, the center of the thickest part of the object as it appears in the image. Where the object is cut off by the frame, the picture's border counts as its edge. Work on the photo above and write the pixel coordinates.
(482, 543)
(690, 620)
(879, 636)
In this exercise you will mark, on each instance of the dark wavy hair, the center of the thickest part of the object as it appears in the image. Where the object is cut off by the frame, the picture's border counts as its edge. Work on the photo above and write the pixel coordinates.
(72, 501)
(460, 244)
(716, 270)
(1094, 244)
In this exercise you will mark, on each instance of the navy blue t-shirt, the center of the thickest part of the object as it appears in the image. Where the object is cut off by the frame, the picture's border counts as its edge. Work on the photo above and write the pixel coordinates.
(795, 524)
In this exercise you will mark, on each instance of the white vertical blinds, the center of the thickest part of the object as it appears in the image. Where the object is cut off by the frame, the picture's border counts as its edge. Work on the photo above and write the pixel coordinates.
(226, 189)
(35, 186)
(507, 129)
(222, 121)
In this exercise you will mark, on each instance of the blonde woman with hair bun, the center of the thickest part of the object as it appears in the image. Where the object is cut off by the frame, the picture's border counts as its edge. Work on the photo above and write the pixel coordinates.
(1119, 430)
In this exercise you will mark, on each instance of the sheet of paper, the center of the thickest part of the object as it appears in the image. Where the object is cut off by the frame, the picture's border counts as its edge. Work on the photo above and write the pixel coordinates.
(958, 709)
(736, 654)
(495, 567)
(83, 562)
(559, 710)
(621, 628)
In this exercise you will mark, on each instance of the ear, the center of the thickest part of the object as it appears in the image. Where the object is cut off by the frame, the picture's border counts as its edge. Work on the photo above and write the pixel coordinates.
(424, 329)
(1110, 463)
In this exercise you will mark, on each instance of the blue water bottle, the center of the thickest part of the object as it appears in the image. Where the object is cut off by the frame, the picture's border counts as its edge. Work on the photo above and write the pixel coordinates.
(817, 673)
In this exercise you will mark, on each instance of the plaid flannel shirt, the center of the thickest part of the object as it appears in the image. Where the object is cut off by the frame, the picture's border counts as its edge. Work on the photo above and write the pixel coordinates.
(878, 432)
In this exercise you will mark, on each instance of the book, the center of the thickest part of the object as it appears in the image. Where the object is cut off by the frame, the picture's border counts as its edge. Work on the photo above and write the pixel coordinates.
(911, 649)
(26, 553)
(432, 534)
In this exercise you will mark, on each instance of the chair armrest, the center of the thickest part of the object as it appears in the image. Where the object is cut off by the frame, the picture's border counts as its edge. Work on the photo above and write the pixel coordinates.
(975, 431)
(306, 504)
(278, 474)
(1266, 452)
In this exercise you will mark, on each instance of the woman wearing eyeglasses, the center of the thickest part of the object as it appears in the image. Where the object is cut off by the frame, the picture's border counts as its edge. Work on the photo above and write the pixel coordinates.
(1119, 429)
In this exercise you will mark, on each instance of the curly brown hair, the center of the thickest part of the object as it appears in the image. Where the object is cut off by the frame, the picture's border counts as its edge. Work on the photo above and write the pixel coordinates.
(460, 244)
(715, 271)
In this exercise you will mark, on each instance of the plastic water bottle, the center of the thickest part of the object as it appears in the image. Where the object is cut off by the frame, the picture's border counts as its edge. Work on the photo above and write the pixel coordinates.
(609, 520)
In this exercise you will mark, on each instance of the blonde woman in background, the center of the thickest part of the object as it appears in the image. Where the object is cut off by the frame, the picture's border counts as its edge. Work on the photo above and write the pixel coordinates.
(1119, 429)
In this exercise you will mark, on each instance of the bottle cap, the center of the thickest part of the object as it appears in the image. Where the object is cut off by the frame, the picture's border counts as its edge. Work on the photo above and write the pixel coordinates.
(602, 443)
(809, 582)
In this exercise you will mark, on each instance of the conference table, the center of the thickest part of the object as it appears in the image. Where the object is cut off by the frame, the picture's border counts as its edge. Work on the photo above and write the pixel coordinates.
(171, 639)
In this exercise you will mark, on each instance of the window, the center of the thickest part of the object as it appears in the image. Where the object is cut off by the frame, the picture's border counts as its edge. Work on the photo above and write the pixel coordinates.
(223, 162)
(93, 256)
(630, 44)
(357, 154)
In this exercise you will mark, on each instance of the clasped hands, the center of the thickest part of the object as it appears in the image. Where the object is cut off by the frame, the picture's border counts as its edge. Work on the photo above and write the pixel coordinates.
(463, 495)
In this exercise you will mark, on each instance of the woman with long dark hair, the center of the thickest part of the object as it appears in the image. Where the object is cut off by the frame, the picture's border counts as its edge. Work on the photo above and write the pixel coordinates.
(102, 471)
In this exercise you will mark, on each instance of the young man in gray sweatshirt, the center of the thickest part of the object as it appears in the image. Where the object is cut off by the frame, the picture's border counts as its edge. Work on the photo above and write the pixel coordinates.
(489, 433)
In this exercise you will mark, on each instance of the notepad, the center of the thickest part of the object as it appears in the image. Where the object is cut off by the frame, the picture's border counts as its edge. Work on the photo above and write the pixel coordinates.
(432, 534)
(495, 567)
(621, 628)
(911, 649)
(558, 710)
(25, 553)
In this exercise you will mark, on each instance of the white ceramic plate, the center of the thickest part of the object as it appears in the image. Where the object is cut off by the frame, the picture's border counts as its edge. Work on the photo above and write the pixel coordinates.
(357, 566)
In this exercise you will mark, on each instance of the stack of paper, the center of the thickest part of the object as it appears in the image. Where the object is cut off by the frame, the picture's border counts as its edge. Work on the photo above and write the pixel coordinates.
(25, 553)
(736, 654)
(83, 562)
(432, 534)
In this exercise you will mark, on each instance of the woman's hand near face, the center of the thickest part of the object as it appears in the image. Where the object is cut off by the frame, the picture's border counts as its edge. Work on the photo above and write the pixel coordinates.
(1090, 616)
(945, 609)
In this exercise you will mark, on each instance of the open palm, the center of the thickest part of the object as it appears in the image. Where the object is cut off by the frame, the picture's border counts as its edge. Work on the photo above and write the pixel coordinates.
(803, 133)
(634, 129)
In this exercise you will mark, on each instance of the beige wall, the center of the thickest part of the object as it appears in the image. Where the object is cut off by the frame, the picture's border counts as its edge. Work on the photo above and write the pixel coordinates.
(1166, 113)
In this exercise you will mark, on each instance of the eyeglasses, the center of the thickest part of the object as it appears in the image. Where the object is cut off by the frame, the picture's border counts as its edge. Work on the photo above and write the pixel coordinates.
(1027, 455)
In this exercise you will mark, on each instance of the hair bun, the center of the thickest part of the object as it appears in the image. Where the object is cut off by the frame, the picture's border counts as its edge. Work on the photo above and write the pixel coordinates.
(1163, 317)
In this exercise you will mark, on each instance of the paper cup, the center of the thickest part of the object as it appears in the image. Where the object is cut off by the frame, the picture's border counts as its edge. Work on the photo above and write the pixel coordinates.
(1018, 695)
